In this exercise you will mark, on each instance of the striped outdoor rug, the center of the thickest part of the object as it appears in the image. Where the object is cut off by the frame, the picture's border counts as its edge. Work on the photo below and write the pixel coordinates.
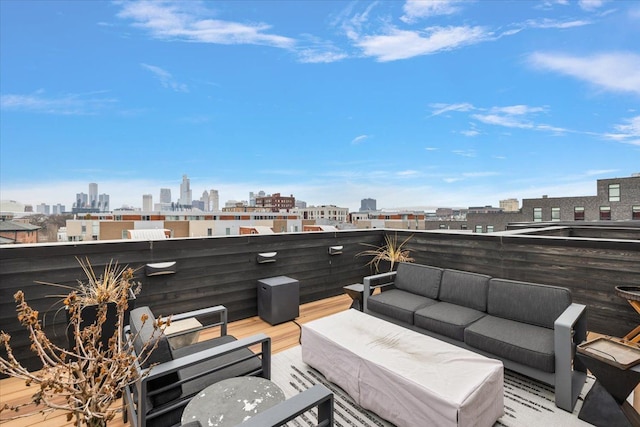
(526, 402)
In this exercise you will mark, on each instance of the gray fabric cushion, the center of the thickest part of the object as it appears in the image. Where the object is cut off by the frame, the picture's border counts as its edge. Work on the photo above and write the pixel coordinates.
(233, 370)
(145, 332)
(447, 319)
(526, 302)
(520, 342)
(398, 304)
(418, 279)
(464, 288)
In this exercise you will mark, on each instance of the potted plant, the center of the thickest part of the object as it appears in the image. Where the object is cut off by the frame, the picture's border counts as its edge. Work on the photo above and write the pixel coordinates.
(390, 252)
(114, 284)
(86, 379)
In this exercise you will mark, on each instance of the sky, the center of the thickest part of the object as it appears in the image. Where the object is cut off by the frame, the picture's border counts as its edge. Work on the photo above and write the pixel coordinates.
(417, 104)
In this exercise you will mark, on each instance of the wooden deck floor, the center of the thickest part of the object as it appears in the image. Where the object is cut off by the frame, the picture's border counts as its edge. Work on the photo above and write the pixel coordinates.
(283, 336)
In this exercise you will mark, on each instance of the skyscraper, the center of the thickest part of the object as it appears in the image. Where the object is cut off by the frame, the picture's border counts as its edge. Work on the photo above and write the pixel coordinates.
(103, 202)
(185, 192)
(165, 195)
(368, 205)
(93, 195)
(214, 200)
(147, 202)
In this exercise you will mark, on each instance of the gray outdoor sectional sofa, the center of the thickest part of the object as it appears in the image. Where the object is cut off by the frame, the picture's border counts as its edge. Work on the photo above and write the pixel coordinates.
(532, 328)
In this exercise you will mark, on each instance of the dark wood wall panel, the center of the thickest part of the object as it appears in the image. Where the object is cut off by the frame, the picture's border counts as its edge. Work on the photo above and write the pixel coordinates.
(223, 270)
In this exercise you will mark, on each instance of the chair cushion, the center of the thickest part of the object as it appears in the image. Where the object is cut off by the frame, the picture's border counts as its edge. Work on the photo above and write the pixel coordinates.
(523, 343)
(233, 370)
(531, 303)
(447, 319)
(465, 289)
(398, 304)
(145, 332)
(418, 279)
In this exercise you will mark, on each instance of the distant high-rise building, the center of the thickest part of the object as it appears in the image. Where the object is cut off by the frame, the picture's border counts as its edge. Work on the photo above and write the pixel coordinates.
(214, 200)
(43, 208)
(103, 202)
(93, 195)
(147, 202)
(165, 195)
(82, 200)
(185, 192)
(368, 205)
(58, 209)
(204, 201)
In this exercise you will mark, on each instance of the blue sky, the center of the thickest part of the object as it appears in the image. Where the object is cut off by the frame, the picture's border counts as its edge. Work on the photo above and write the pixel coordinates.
(412, 103)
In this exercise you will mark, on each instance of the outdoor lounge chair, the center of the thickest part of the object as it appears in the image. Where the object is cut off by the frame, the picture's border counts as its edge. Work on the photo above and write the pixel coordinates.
(159, 398)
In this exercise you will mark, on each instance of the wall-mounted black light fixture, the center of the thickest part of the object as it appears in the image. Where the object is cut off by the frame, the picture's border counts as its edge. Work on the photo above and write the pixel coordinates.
(160, 268)
(335, 250)
(266, 257)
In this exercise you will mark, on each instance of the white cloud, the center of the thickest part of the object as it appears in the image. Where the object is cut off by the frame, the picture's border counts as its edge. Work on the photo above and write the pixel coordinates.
(416, 9)
(182, 21)
(67, 104)
(470, 133)
(166, 79)
(315, 56)
(590, 5)
(401, 44)
(445, 108)
(618, 72)
(552, 23)
(628, 132)
(465, 153)
(503, 120)
(359, 139)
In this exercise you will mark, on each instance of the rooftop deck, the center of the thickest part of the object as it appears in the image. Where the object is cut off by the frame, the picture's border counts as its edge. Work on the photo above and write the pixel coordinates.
(283, 336)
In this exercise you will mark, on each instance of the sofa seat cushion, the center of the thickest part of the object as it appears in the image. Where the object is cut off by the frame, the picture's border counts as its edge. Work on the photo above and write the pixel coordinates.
(520, 342)
(236, 370)
(398, 304)
(447, 319)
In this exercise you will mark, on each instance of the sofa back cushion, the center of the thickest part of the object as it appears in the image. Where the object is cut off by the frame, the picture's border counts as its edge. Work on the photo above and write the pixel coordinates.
(531, 303)
(418, 279)
(464, 288)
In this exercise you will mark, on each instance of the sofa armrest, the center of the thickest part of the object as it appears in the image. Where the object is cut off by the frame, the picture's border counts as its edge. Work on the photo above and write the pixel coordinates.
(317, 396)
(570, 329)
(219, 309)
(375, 281)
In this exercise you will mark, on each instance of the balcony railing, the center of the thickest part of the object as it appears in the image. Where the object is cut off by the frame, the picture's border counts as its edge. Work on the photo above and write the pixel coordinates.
(225, 270)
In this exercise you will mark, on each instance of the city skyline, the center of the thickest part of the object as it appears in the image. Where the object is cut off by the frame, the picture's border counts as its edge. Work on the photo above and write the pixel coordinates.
(414, 104)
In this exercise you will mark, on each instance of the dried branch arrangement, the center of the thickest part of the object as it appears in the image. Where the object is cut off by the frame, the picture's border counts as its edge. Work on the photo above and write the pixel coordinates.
(87, 380)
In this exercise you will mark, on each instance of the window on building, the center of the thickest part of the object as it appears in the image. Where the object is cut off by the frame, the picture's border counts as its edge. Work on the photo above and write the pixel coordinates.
(537, 214)
(227, 231)
(478, 229)
(489, 228)
(555, 214)
(442, 227)
(614, 192)
(124, 234)
(635, 212)
(578, 213)
(605, 213)
(463, 227)
(209, 231)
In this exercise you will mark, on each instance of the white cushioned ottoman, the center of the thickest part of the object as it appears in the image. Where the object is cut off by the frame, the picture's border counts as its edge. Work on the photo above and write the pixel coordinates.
(403, 376)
